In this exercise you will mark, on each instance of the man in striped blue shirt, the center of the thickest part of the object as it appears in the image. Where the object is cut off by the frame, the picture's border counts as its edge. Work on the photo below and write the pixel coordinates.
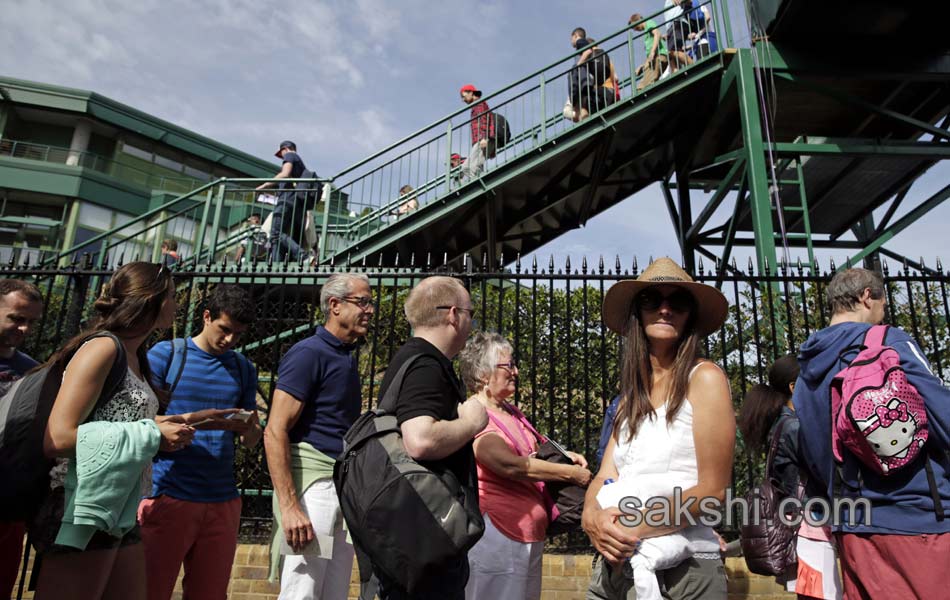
(194, 513)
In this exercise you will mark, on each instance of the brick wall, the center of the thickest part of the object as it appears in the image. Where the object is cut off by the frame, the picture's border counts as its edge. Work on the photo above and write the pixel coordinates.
(564, 577)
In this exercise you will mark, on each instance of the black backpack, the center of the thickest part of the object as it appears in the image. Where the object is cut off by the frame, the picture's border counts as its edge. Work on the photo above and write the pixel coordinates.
(502, 131)
(405, 520)
(768, 545)
(598, 67)
(24, 413)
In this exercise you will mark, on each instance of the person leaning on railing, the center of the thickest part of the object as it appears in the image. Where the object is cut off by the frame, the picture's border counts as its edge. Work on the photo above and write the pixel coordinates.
(506, 562)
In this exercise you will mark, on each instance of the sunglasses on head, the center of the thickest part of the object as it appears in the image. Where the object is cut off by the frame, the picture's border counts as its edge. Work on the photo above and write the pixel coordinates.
(678, 301)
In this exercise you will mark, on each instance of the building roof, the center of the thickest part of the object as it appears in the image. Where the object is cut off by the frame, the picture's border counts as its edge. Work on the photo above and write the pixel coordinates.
(123, 116)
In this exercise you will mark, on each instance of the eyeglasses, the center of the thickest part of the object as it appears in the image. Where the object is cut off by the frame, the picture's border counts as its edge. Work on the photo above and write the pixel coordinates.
(678, 301)
(470, 311)
(509, 366)
(363, 302)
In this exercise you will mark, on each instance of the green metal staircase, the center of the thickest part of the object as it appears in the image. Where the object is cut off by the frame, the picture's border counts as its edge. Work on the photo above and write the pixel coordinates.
(553, 176)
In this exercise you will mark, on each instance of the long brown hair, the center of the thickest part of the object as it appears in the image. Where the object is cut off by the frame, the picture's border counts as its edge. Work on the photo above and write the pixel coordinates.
(763, 403)
(129, 305)
(636, 374)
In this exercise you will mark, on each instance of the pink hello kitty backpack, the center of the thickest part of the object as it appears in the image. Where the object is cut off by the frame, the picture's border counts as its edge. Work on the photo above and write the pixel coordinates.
(876, 413)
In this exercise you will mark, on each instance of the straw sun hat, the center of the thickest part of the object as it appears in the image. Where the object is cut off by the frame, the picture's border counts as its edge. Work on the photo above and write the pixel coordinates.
(711, 306)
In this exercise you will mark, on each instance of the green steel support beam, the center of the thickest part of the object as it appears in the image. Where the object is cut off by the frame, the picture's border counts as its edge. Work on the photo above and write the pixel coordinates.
(725, 186)
(895, 204)
(900, 225)
(931, 150)
(203, 224)
(757, 170)
(685, 219)
(730, 233)
(674, 215)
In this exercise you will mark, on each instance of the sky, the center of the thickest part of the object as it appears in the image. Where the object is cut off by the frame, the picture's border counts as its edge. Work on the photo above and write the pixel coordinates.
(344, 79)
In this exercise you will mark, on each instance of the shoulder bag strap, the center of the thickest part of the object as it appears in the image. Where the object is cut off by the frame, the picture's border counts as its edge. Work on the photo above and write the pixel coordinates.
(773, 447)
(498, 423)
(388, 401)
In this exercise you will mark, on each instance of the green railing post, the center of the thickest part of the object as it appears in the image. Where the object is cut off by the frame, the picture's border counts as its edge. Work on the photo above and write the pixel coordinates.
(159, 236)
(633, 62)
(216, 223)
(726, 24)
(327, 194)
(544, 113)
(448, 158)
(200, 237)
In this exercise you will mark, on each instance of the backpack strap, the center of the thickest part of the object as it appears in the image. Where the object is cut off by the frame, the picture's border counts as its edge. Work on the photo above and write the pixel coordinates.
(388, 402)
(117, 372)
(875, 336)
(176, 364)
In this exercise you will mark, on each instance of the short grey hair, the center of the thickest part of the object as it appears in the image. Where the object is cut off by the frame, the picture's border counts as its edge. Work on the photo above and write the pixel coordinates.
(479, 356)
(846, 287)
(337, 286)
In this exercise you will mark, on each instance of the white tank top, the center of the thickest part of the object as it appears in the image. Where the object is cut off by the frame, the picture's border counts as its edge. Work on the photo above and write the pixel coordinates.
(662, 457)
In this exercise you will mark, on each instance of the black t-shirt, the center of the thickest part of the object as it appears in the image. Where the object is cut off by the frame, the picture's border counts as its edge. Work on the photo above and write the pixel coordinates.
(296, 167)
(430, 388)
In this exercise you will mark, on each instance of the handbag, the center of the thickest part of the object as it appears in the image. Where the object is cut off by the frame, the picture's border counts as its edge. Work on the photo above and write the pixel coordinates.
(564, 501)
(768, 545)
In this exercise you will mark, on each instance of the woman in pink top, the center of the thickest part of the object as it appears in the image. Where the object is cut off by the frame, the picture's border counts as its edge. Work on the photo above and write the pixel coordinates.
(506, 562)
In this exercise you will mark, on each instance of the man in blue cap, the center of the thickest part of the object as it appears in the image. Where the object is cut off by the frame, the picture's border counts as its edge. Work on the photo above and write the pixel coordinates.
(290, 214)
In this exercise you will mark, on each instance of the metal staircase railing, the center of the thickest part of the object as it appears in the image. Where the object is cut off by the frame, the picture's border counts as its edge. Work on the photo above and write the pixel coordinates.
(532, 106)
(361, 200)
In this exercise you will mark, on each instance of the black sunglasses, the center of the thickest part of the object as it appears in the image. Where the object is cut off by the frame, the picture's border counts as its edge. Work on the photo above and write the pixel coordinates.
(678, 301)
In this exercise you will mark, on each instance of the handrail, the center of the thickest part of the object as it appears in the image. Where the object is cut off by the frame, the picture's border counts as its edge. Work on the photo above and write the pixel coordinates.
(462, 110)
(422, 158)
(167, 206)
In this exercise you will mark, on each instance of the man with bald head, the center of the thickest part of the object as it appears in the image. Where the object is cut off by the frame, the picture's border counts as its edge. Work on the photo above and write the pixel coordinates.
(438, 424)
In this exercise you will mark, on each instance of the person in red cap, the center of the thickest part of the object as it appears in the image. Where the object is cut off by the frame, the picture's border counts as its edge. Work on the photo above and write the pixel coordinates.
(483, 132)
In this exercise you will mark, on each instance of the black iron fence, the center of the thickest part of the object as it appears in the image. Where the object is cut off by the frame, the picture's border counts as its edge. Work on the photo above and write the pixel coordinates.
(568, 360)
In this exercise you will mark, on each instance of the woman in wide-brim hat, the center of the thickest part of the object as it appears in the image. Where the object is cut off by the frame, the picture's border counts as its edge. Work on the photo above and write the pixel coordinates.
(674, 432)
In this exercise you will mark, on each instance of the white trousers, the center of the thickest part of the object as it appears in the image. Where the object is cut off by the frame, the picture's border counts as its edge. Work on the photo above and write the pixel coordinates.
(502, 568)
(312, 577)
(474, 164)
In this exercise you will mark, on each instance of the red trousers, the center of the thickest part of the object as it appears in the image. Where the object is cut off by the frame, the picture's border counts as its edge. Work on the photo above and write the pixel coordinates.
(894, 566)
(201, 536)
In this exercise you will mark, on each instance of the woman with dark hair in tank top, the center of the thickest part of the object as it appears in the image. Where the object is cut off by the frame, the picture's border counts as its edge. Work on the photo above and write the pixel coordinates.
(673, 437)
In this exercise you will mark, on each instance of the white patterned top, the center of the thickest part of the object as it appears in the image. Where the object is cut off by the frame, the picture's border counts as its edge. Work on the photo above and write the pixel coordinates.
(133, 401)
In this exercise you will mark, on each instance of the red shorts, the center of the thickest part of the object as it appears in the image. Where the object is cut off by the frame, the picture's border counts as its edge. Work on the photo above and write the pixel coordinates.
(894, 566)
